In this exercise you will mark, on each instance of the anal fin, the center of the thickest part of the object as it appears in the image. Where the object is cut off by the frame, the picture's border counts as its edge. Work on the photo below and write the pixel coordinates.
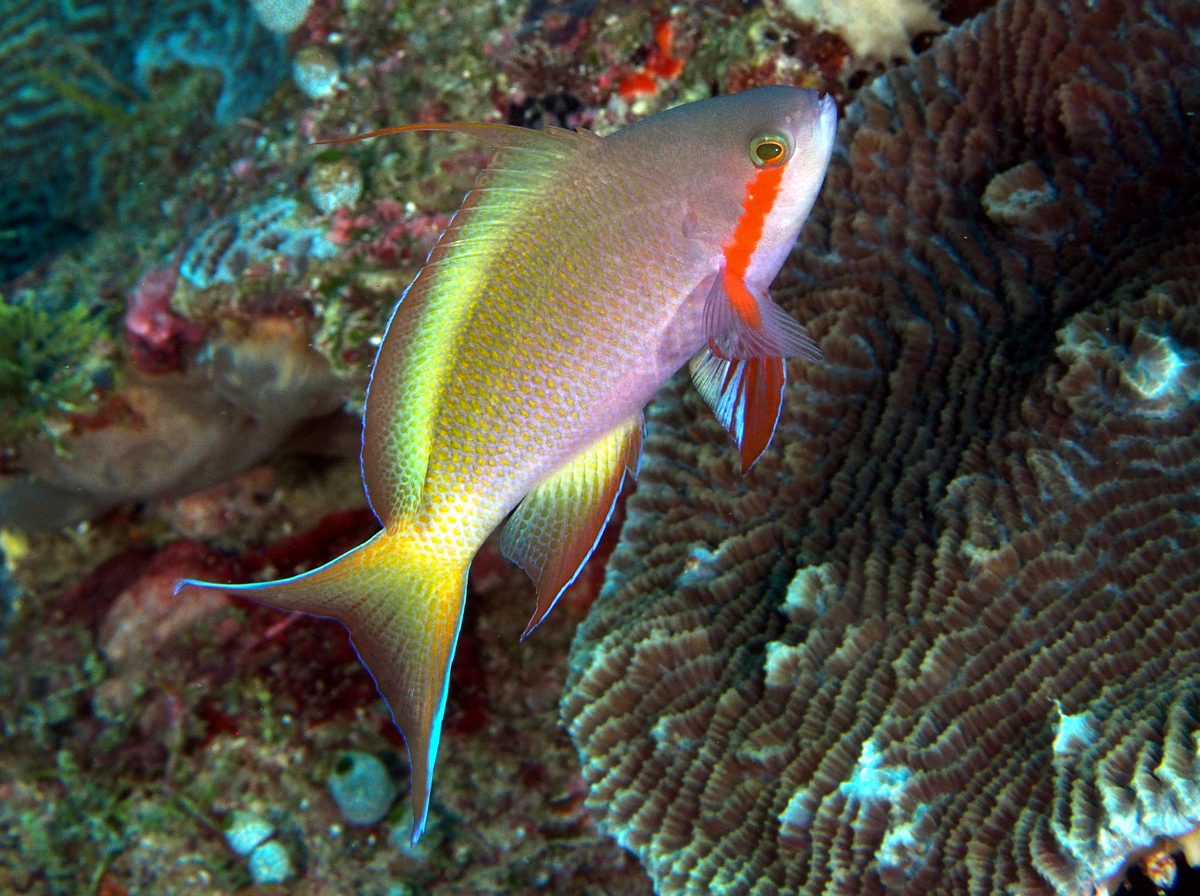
(554, 530)
(746, 395)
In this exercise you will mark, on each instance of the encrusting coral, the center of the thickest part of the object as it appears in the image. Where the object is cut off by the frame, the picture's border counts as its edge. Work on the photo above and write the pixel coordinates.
(946, 637)
(876, 30)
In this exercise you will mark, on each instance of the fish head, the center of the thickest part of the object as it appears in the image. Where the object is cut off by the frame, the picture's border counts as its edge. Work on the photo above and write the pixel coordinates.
(786, 144)
(747, 167)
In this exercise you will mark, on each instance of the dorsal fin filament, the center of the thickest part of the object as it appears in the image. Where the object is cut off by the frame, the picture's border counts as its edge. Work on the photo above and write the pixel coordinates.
(497, 134)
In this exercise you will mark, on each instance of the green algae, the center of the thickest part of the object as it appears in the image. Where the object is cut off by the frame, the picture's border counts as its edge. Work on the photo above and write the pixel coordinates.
(51, 362)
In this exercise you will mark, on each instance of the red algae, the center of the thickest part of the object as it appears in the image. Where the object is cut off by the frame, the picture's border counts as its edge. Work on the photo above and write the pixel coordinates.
(659, 64)
(156, 338)
(637, 84)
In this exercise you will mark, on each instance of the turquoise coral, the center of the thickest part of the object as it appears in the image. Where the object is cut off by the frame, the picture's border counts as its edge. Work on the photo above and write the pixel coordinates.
(245, 831)
(271, 864)
(221, 35)
(362, 787)
(275, 228)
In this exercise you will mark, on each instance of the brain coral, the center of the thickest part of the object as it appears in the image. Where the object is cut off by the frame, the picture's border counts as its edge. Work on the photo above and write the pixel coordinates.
(945, 638)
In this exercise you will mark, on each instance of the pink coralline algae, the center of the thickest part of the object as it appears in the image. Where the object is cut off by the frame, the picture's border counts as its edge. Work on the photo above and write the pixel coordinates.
(945, 638)
(147, 616)
(155, 337)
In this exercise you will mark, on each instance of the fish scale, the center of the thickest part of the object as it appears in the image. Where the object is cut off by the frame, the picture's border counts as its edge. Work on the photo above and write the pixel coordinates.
(574, 280)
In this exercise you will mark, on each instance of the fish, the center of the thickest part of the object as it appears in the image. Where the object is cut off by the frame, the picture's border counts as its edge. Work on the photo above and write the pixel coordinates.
(578, 275)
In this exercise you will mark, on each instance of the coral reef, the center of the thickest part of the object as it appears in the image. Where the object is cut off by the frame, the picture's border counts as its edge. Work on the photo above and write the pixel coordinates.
(944, 638)
(200, 762)
(51, 56)
(226, 313)
(263, 232)
(170, 434)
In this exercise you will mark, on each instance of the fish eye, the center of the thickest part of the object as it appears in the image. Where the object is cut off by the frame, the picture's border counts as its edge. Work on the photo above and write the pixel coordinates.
(770, 149)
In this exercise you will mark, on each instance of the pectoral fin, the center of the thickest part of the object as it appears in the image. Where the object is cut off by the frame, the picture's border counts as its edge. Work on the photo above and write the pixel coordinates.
(743, 322)
(746, 396)
(554, 530)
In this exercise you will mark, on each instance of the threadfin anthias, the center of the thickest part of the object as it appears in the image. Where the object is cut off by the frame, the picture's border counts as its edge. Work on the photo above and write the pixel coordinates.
(577, 276)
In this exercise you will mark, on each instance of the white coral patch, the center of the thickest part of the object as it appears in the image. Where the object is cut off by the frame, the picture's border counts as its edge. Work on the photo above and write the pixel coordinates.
(701, 564)
(797, 815)
(871, 780)
(876, 30)
(809, 593)
(1157, 372)
(781, 663)
(904, 845)
(904, 841)
(1073, 733)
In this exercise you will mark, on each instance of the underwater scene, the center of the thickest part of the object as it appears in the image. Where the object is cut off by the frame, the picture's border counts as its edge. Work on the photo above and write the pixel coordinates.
(781, 476)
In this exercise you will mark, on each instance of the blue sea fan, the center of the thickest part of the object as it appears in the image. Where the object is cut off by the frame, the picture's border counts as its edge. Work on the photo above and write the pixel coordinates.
(219, 35)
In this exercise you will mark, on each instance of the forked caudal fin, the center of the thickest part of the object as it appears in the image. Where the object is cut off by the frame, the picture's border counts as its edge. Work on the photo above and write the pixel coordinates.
(403, 605)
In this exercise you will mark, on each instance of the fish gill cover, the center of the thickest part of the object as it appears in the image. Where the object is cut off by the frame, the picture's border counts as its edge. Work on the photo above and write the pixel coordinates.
(946, 638)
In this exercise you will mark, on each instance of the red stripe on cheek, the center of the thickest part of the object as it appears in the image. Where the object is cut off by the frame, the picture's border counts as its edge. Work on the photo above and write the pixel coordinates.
(761, 193)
